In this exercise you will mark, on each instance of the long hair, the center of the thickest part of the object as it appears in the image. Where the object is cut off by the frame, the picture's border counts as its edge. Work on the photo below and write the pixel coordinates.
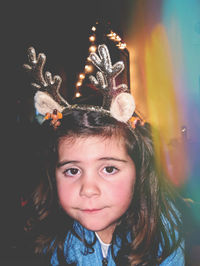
(153, 201)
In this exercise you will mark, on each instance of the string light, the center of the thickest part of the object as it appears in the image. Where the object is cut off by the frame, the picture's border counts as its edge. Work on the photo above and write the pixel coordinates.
(88, 59)
(79, 83)
(92, 48)
(92, 38)
(116, 38)
(113, 36)
(81, 76)
(88, 67)
(77, 95)
(121, 45)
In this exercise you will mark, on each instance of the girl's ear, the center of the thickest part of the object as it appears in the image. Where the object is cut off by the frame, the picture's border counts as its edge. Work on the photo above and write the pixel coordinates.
(122, 107)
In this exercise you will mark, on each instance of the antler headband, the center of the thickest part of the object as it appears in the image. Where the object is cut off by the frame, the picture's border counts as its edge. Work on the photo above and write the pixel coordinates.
(116, 100)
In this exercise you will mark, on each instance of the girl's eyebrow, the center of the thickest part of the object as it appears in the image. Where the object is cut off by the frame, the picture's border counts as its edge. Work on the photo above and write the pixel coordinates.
(113, 159)
(60, 164)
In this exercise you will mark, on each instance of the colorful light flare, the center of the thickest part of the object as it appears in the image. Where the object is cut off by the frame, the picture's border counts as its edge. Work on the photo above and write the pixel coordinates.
(165, 37)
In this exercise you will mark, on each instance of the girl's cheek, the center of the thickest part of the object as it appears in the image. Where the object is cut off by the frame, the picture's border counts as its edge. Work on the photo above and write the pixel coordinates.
(65, 192)
(122, 191)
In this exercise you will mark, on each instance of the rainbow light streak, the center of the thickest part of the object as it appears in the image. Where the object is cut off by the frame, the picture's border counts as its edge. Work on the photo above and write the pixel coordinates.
(162, 104)
(181, 19)
(164, 37)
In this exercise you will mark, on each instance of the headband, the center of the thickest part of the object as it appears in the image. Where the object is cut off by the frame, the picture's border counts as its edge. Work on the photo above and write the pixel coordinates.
(117, 101)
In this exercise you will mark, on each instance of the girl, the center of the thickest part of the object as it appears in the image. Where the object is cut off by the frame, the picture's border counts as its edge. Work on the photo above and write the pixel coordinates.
(101, 200)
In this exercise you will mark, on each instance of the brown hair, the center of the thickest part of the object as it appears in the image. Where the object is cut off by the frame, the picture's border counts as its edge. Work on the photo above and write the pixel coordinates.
(152, 205)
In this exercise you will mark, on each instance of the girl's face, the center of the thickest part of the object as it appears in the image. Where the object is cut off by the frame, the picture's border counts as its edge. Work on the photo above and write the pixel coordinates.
(95, 179)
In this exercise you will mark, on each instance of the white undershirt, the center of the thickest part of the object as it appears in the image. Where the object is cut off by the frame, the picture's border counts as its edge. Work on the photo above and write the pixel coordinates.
(104, 246)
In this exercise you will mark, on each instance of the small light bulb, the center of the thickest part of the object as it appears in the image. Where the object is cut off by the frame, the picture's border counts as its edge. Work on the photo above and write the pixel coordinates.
(77, 94)
(121, 46)
(88, 68)
(92, 48)
(110, 34)
(93, 28)
(79, 83)
(92, 38)
(113, 36)
(81, 76)
(118, 38)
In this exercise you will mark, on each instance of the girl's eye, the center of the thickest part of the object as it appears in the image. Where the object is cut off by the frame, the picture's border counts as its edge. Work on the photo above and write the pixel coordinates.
(110, 170)
(72, 172)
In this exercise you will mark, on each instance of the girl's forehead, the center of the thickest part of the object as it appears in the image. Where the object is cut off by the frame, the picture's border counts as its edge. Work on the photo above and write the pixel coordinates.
(91, 148)
(77, 139)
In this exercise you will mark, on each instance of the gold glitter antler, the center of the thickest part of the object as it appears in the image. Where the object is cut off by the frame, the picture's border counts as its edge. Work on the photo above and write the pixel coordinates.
(47, 86)
(105, 78)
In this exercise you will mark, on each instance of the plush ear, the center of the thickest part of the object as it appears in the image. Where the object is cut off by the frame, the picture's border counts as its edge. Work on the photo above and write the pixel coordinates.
(122, 107)
(45, 104)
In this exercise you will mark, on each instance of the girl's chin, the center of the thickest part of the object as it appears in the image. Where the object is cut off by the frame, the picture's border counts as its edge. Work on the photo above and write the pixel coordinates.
(94, 227)
(99, 227)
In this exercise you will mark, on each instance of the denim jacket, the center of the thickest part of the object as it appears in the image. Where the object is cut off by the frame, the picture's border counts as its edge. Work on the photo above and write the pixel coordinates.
(76, 253)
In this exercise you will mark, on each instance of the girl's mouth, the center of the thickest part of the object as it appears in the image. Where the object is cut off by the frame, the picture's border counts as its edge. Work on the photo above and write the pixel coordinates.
(91, 210)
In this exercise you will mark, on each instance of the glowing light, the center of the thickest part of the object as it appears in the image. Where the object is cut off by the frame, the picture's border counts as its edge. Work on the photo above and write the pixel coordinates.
(92, 48)
(77, 95)
(92, 38)
(121, 46)
(81, 76)
(113, 36)
(88, 68)
(110, 34)
(93, 28)
(118, 38)
(79, 83)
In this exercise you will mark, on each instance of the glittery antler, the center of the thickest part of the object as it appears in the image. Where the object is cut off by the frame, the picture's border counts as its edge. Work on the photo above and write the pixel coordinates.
(49, 103)
(48, 97)
(120, 103)
(105, 78)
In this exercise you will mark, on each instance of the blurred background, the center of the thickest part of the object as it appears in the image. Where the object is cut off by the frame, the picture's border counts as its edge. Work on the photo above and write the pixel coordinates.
(159, 41)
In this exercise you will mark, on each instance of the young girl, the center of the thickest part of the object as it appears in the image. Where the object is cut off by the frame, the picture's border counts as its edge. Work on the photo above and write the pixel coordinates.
(101, 200)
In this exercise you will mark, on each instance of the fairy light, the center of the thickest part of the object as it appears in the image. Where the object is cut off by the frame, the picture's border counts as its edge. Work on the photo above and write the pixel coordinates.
(81, 76)
(113, 36)
(121, 45)
(116, 38)
(79, 83)
(110, 34)
(77, 95)
(92, 48)
(92, 38)
(88, 59)
(88, 68)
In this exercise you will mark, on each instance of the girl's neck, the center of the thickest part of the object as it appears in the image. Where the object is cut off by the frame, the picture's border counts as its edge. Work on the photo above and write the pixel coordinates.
(106, 234)
(101, 241)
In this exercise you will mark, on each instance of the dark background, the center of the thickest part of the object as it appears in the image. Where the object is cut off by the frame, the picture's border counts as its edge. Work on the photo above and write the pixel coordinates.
(60, 29)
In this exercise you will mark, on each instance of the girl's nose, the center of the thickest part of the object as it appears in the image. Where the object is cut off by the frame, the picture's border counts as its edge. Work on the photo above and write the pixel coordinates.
(89, 188)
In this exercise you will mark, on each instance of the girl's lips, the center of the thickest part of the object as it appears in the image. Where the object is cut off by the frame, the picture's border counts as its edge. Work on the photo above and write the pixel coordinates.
(91, 210)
